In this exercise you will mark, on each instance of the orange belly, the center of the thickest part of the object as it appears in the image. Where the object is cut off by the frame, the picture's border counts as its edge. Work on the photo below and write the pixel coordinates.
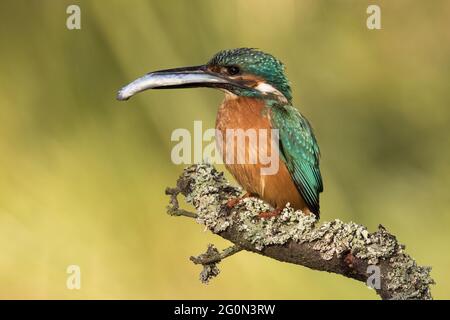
(246, 113)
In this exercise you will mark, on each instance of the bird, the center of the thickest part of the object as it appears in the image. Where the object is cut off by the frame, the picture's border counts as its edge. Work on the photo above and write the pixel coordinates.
(258, 96)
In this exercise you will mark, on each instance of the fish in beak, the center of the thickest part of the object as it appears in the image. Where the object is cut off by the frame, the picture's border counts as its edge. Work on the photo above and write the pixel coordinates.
(188, 77)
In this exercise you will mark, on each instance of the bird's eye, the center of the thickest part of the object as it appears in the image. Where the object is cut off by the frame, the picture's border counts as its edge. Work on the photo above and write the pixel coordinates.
(233, 70)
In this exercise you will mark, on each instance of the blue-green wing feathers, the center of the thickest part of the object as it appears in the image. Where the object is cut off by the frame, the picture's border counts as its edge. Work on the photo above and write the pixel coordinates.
(300, 152)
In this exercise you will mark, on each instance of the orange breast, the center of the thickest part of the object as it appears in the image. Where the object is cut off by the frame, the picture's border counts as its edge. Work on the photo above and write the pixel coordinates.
(242, 142)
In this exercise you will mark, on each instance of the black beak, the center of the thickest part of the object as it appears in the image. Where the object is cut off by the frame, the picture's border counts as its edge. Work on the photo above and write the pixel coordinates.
(188, 77)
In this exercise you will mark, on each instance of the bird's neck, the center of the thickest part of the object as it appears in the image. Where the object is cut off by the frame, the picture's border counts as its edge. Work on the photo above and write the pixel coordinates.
(237, 112)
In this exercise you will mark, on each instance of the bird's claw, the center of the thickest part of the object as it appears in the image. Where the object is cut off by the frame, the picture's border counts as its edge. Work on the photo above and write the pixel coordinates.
(231, 203)
(270, 214)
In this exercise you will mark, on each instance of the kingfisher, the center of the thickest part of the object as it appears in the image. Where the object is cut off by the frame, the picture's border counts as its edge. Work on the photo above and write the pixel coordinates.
(257, 96)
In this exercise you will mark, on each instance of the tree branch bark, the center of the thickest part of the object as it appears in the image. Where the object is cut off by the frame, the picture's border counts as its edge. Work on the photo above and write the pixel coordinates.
(376, 259)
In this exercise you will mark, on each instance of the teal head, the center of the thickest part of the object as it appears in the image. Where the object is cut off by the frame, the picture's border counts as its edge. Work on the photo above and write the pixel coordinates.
(242, 72)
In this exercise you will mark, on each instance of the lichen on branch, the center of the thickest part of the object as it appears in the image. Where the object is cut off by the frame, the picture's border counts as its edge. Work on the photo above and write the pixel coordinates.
(343, 248)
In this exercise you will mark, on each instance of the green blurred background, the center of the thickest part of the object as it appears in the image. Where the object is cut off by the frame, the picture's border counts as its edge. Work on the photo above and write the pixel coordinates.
(82, 176)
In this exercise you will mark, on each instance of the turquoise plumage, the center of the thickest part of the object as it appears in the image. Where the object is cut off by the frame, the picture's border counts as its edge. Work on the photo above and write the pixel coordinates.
(300, 152)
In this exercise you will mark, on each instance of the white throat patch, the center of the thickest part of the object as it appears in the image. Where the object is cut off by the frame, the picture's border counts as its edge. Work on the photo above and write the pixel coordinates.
(266, 88)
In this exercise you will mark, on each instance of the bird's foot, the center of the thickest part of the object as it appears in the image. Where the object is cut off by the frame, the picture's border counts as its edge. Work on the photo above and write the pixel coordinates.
(231, 203)
(270, 214)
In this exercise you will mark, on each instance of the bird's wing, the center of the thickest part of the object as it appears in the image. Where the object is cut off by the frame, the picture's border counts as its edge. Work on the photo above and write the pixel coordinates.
(300, 152)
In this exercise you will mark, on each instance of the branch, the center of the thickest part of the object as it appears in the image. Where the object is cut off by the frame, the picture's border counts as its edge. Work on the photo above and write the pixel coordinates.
(212, 255)
(210, 259)
(376, 259)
